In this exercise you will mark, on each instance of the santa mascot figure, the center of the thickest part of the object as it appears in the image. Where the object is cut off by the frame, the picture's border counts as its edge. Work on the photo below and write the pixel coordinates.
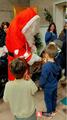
(20, 38)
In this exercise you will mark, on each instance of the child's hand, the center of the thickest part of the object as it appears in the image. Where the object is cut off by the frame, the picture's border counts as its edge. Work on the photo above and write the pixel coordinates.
(44, 60)
(27, 76)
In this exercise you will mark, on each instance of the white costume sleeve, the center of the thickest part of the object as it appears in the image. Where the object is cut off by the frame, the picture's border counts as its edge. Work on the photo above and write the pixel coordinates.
(34, 58)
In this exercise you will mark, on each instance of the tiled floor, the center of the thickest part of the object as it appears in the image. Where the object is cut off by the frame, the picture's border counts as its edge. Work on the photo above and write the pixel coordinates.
(5, 113)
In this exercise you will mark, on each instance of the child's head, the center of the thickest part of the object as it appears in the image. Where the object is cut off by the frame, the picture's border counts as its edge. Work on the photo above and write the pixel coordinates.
(18, 67)
(51, 50)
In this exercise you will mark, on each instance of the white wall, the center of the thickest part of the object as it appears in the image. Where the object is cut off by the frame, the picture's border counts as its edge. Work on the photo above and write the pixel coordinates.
(58, 14)
(59, 19)
(43, 30)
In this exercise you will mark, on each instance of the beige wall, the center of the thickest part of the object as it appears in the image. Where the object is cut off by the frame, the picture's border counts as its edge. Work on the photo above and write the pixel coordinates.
(22, 3)
(6, 11)
(41, 4)
(7, 8)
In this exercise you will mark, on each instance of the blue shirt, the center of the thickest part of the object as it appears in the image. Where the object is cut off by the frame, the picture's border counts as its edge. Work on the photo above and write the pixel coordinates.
(50, 36)
(49, 75)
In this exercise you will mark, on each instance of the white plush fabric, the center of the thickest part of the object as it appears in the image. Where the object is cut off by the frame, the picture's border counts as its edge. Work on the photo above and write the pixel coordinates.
(34, 58)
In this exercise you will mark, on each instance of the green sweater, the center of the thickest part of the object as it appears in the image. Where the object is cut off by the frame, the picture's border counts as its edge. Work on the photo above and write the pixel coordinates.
(20, 96)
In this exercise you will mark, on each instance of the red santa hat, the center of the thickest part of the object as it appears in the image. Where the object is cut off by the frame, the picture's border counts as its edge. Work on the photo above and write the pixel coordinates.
(30, 17)
(26, 18)
(15, 40)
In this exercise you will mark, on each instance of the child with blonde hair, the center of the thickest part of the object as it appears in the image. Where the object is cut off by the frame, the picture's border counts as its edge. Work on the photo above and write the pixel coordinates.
(50, 75)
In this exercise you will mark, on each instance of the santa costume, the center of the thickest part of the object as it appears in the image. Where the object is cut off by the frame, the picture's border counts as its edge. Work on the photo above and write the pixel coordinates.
(16, 41)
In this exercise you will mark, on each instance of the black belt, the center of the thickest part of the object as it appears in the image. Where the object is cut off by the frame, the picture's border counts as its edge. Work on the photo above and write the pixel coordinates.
(11, 54)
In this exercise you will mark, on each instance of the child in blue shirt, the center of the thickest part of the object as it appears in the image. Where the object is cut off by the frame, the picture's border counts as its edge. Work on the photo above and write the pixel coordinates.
(50, 75)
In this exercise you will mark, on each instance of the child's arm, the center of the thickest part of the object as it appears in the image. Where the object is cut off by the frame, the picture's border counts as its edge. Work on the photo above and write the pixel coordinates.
(6, 93)
(33, 87)
(44, 76)
(48, 36)
(27, 75)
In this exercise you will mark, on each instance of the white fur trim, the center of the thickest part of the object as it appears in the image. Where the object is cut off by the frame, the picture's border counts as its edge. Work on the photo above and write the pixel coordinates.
(16, 51)
(29, 23)
(25, 55)
(34, 58)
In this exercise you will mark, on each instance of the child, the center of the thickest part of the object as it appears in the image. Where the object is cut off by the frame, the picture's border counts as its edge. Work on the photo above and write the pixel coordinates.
(20, 93)
(49, 79)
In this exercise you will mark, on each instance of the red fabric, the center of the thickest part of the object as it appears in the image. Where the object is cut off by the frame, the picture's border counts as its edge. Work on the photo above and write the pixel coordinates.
(10, 75)
(15, 39)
